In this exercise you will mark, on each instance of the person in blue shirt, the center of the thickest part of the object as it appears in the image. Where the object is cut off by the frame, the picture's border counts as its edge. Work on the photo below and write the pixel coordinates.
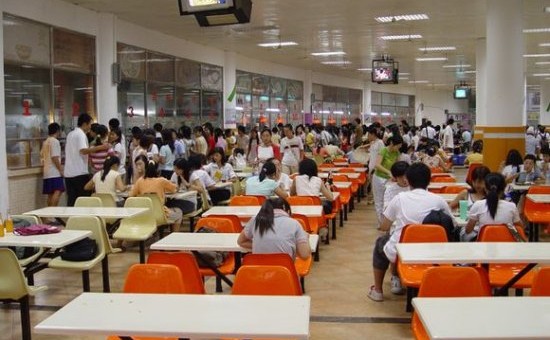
(265, 183)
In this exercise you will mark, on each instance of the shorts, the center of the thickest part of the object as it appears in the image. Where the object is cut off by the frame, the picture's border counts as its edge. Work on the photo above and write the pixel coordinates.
(379, 258)
(51, 185)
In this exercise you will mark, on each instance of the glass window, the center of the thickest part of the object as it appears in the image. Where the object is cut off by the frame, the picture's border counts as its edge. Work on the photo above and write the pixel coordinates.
(160, 105)
(132, 62)
(160, 68)
(211, 78)
(211, 108)
(26, 42)
(188, 106)
(73, 94)
(244, 82)
(131, 99)
(188, 74)
(73, 51)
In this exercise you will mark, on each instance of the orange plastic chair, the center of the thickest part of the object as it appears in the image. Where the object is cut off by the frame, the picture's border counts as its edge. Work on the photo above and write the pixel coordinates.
(443, 179)
(436, 170)
(541, 283)
(450, 282)
(345, 199)
(340, 160)
(501, 273)
(243, 200)
(411, 274)
(237, 224)
(343, 178)
(325, 166)
(471, 169)
(279, 259)
(315, 223)
(453, 189)
(220, 225)
(187, 265)
(355, 182)
(154, 279)
(356, 165)
(304, 221)
(536, 213)
(332, 216)
(265, 280)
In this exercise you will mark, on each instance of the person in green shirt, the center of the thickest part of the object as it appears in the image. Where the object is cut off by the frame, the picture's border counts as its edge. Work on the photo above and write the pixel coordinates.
(386, 157)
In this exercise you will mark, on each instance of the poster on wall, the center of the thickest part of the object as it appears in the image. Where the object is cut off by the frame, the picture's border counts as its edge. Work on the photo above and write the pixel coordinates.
(295, 89)
(132, 62)
(188, 74)
(260, 85)
(278, 87)
(244, 82)
(211, 78)
(26, 42)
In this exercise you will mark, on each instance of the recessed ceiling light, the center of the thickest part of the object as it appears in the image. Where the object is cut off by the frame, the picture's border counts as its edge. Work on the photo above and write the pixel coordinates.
(336, 62)
(437, 48)
(542, 63)
(457, 66)
(541, 74)
(546, 9)
(432, 59)
(401, 37)
(419, 81)
(405, 17)
(364, 69)
(537, 30)
(536, 55)
(544, 44)
(278, 44)
(403, 78)
(323, 54)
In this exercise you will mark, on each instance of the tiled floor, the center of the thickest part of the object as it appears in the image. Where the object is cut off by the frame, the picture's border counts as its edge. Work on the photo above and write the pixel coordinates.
(337, 285)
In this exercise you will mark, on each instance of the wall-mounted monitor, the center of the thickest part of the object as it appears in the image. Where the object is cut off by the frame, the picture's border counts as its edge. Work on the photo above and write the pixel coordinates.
(461, 92)
(217, 12)
(191, 6)
(384, 71)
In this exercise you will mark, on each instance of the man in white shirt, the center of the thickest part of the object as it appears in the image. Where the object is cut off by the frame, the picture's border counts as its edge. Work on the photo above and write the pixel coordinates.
(448, 133)
(406, 208)
(428, 131)
(292, 150)
(532, 146)
(466, 140)
(76, 159)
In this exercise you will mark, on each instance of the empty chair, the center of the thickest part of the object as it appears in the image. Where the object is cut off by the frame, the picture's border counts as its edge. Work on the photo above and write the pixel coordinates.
(194, 214)
(186, 263)
(443, 179)
(138, 228)
(107, 201)
(13, 287)
(279, 259)
(237, 224)
(453, 189)
(541, 283)
(244, 200)
(154, 279)
(304, 222)
(265, 280)
(97, 202)
(450, 282)
(315, 223)
(536, 213)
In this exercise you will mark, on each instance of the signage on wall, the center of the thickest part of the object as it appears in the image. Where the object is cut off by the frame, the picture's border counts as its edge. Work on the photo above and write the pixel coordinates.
(26, 107)
(76, 109)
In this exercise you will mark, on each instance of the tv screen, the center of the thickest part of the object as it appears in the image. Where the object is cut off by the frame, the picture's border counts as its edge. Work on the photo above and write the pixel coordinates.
(461, 93)
(191, 6)
(384, 72)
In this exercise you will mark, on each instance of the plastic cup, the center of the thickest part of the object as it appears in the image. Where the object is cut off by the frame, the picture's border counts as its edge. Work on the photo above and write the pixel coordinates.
(1, 230)
(463, 209)
(9, 225)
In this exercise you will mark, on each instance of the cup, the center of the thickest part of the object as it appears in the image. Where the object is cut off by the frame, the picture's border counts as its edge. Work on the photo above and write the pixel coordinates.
(463, 209)
(8, 223)
(1, 230)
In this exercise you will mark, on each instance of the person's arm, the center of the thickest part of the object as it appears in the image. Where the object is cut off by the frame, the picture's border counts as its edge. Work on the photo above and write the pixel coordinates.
(456, 202)
(442, 164)
(196, 185)
(303, 250)
(119, 184)
(379, 166)
(244, 241)
(470, 225)
(293, 188)
(57, 162)
(102, 147)
(386, 224)
(90, 185)
(326, 192)
(162, 156)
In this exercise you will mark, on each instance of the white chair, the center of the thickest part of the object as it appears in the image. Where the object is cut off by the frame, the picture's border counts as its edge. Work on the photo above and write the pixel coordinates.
(13, 287)
(97, 202)
(197, 213)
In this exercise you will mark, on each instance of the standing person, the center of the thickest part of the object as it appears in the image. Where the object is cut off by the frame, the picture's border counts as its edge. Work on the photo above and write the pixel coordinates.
(201, 146)
(230, 141)
(267, 150)
(466, 140)
(292, 150)
(50, 155)
(157, 127)
(98, 157)
(76, 159)
(448, 135)
(208, 131)
(166, 154)
(532, 145)
(300, 133)
(358, 132)
(386, 157)
(220, 139)
(310, 139)
(275, 137)
(114, 124)
(415, 139)
(119, 150)
(187, 140)
(242, 139)
(253, 143)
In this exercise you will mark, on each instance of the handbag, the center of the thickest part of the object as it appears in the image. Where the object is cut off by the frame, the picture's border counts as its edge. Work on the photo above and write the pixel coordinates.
(83, 250)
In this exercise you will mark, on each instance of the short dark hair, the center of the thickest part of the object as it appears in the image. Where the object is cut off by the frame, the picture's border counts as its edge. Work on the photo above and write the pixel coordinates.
(84, 118)
(545, 150)
(418, 176)
(451, 121)
(241, 128)
(308, 167)
(531, 157)
(477, 146)
(53, 128)
(114, 123)
(395, 140)
(399, 168)
(157, 127)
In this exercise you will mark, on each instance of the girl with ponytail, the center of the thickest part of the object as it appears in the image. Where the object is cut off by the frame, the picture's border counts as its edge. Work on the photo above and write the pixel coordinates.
(265, 183)
(491, 210)
(274, 231)
(108, 180)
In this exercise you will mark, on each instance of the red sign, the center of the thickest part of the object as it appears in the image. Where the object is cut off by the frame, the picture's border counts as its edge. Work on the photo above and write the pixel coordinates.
(26, 108)
(162, 113)
(76, 109)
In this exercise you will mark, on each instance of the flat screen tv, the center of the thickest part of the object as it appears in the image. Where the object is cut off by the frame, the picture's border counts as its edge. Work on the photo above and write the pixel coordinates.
(384, 71)
(190, 6)
(461, 92)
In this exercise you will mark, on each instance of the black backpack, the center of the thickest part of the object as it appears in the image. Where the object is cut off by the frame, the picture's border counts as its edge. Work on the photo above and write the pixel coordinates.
(207, 258)
(440, 217)
(83, 250)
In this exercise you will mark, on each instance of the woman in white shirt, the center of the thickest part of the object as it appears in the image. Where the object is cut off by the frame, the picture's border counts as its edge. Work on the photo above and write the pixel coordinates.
(492, 210)
(166, 154)
(307, 183)
(107, 181)
(119, 150)
(267, 149)
(219, 169)
(189, 203)
(201, 181)
(282, 179)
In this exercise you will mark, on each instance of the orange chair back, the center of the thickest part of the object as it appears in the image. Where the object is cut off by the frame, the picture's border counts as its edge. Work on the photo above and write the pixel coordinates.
(443, 179)
(244, 200)
(326, 165)
(219, 224)
(356, 165)
(279, 259)
(347, 170)
(191, 277)
(265, 280)
(453, 189)
(539, 189)
(447, 281)
(237, 225)
(541, 283)
(498, 233)
(423, 233)
(436, 170)
(340, 178)
(304, 221)
(300, 200)
(154, 279)
(471, 169)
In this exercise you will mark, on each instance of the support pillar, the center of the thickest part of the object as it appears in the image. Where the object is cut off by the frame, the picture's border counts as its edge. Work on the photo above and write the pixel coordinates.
(106, 52)
(229, 82)
(4, 197)
(544, 118)
(481, 88)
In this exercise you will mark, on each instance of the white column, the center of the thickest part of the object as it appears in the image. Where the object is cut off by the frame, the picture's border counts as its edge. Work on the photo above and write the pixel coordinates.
(107, 107)
(229, 81)
(308, 90)
(505, 85)
(544, 103)
(4, 197)
(481, 82)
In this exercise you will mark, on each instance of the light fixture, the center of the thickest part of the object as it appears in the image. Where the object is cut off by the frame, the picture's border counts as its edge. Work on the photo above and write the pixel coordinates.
(216, 12)
(364, 69)
(403, 78)
(542, 63)
(437, 48)
(547, 9)
(405, 17)
(325, 54)
(541, 74)
(336, 62)
(470, 71)
(457, 66)
(419, 81)
(432, 59)
(278, 44)
(539, 55)
(404, 74)
(401, 37)
(544, 44)
(537, 30)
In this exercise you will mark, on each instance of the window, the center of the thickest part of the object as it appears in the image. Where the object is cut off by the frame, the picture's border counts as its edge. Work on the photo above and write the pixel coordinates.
(390, 107)
(336, 105)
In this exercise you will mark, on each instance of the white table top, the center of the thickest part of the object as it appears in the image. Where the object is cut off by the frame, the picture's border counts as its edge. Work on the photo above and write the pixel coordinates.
(439, 185)
(252, 210)
(474, 252)
(336, 169)
(244, 174)
(443, 174)
(54, 241)
(539, 198)
(209, 242)
(182, 315)
(485, 317)
(448, 197)
(340, 163)
(180, 195)
(350, 175)
(84, 211)
(520, 187)
(342, 185)
(223, 185)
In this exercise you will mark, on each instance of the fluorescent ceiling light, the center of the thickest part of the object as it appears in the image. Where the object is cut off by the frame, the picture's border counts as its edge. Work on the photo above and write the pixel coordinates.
(364, 69)
(471, 71)
(544, 44)
(419, 81)
(456, 66)
(404, 74)
(336, 62)
(278, 44)
(405, 17)
(536, 55)
(437, 48)
(546, 9)
(403, 78)
(542, 63)
(537, 30)
(541, 74)
(401, 37)
(323, 54)
(432, 59)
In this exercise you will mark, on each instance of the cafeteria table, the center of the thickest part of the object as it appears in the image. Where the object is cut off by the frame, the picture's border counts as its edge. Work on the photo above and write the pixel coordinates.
(181, 316)
(448, 197)
(350, 175)
(336, 169)
(467, 318)
(440, 185)
(66, 212)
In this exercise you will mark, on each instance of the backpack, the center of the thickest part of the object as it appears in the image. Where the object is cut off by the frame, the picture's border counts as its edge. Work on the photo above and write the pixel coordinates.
(440, 217)
(83, 250)
(207, 258)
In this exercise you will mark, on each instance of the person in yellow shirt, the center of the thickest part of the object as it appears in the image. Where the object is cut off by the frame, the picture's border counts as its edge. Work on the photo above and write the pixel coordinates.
(476, 156)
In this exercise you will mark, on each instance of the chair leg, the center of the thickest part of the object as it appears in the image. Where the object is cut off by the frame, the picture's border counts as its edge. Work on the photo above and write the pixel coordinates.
(316, 256)
(219, 288)
(141, 251)
(191, 224)
(25, 317)
(334, 228)
(411, 293)
(30, 279)
(519, 291)
(86, 280)
(105, 272)
(342, 217)
(303, 284)
(346, 208)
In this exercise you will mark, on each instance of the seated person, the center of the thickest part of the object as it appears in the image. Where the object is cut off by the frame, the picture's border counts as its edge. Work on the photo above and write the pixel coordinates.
(493, 209)
(265, 184)
(219, 169)
(201, 181)
(237, 159)
(511, 167)
(188, 204)
(398, 183)
(476, 156)
(307, 183)
(107, 180)
(282, 179)
(409, 207)
(477, 190)
(274, 231)
(328, 151)
(530, 173)
(433, 160)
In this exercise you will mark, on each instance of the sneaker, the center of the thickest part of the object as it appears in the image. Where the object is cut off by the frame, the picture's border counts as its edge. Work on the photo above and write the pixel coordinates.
(323, 233)
(396, 287)
(374, 295)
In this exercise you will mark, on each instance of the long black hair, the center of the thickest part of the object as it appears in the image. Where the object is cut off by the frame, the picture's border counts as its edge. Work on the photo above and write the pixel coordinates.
(514, 159)
(168, 139)
(194, 162)
(479, 173)
(219, 151)
(109, 162)
(266, 216)
(182, 164)
(494, 184)
(268, 169)
(151, 169)
(308, 167)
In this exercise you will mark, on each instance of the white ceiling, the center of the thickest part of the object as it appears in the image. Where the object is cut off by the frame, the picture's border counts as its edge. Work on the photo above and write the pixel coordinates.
(346, 25)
